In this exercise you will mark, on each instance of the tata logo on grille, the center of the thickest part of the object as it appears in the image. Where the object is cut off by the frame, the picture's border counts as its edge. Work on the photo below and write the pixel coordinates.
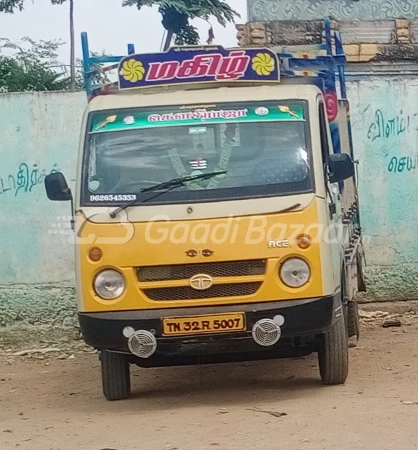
(201, 282)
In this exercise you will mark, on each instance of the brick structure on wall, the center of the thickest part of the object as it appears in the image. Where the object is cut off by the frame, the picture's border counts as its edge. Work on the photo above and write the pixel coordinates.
(364, 41)
(372, 30)
(343, 10)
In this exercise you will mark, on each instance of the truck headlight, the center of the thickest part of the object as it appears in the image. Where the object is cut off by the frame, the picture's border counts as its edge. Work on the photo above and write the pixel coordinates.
(109, 284)
(295, 272)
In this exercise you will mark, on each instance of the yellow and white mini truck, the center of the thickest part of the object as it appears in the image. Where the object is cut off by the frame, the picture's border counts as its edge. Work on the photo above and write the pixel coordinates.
(216, 212)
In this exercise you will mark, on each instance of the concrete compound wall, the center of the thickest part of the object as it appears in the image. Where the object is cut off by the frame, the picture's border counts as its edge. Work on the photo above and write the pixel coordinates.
(39, 134)
(385, 128)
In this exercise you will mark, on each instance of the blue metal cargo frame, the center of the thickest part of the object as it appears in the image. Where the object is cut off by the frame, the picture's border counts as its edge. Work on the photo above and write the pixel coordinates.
(90, 61)
(332, 65)
(325, 71)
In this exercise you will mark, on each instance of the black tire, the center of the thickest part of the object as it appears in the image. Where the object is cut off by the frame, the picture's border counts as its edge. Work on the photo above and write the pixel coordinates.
(353, 322)
(333, 354)
(116, 380)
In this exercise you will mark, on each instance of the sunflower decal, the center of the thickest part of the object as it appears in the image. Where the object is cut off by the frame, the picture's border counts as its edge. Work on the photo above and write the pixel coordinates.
(133, 70)
(263, 64)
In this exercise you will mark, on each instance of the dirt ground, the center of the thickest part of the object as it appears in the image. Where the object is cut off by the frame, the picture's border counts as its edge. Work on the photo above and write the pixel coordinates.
(56, 404)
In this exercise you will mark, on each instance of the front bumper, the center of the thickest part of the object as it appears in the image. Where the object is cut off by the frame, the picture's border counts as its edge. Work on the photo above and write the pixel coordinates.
(304, 319)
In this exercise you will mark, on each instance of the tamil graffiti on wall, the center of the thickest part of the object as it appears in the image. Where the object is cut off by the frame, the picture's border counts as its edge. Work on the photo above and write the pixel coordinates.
(403, 163)
(24, 179)
(387, 124)
(388, 129)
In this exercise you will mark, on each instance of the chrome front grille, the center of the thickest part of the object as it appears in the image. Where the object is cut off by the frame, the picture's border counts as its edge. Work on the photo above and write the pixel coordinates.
(214, 269)
(216, 291)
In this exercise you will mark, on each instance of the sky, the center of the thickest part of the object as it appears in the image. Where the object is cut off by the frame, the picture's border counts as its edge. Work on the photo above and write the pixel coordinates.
(110, 27)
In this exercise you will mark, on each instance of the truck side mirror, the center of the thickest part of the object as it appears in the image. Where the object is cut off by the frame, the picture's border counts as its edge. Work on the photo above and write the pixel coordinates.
(341, 167)
(57, 188)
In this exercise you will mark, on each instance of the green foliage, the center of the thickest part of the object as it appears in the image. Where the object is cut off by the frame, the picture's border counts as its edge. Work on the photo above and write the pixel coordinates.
(32, 78)
(30, 66)
(34, 66)
(9, 6)
(28, 50)
(177, 13)
(187, 36)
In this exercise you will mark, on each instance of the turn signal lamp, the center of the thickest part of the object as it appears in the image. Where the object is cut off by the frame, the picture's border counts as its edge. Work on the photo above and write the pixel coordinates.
(304, 241)
(95, 254)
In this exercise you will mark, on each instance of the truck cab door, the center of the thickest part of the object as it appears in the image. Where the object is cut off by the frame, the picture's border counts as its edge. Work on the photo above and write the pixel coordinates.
(334, 232)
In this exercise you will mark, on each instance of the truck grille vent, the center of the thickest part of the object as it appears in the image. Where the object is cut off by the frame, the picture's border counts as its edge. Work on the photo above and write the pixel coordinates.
(188, 293)
(215, 269)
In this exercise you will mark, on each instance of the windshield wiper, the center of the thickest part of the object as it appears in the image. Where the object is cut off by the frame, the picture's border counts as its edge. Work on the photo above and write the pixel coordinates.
(167, 186)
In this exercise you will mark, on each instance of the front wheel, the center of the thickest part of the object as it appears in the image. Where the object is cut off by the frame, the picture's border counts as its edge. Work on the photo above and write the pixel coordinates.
(333, 354)
(116, 378)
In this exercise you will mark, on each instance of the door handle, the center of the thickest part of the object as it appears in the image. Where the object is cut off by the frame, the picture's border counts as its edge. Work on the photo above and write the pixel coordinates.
(332, 209)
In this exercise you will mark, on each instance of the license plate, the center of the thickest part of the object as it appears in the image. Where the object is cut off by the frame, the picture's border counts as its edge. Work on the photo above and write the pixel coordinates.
(219, 323)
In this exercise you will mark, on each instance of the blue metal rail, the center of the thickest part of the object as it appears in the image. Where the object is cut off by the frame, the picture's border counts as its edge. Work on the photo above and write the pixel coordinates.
(323, 64)
(328, 67)
(90, 62)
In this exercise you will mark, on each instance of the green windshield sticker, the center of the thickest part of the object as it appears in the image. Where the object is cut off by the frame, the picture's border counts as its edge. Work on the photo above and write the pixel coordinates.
(199, 116)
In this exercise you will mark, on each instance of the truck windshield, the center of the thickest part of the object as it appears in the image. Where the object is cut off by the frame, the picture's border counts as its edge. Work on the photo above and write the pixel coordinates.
(262, 148)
